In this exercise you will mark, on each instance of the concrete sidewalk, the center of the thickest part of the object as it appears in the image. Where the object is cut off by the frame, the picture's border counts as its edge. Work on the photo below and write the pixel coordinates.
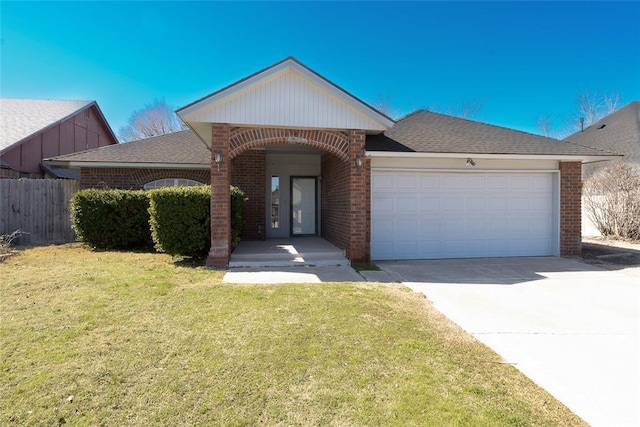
(570, 327)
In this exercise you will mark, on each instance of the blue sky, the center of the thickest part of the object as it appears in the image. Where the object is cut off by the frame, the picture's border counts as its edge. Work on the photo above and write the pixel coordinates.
(518, 59)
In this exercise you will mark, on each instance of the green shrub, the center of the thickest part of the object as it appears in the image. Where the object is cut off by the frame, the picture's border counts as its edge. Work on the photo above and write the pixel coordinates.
(180, 219)
(237, 215)
(111, 219)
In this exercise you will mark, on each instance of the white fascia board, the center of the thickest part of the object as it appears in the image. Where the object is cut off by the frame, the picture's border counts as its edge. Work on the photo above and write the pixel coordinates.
(559, 157)
(138, 165)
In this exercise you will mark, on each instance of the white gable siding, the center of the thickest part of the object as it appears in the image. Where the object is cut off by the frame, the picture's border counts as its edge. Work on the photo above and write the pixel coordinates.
(289, 99)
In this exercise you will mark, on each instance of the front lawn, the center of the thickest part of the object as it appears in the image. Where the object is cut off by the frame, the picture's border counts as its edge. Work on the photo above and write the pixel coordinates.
(114, 338)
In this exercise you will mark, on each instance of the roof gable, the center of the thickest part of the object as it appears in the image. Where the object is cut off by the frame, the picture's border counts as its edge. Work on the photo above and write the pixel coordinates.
(287, 94)
(22, 118)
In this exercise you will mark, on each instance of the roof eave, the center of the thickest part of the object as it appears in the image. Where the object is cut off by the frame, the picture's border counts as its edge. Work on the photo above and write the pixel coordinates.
(128, 165)
(558, 157)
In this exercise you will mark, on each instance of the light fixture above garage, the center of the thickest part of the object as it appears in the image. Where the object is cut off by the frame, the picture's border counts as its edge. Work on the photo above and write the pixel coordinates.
(470, 162)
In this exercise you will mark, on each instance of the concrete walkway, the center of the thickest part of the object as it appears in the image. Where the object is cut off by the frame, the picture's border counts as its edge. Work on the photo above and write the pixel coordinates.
(572, 328)
(292, 260)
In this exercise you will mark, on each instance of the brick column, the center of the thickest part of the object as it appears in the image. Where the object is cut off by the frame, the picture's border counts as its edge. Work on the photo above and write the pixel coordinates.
(220, 199)
(358, 247)
(570, 208)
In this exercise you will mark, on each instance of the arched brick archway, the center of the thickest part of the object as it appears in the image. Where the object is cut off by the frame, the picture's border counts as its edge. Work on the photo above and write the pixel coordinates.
(243, 139)
(351, 196)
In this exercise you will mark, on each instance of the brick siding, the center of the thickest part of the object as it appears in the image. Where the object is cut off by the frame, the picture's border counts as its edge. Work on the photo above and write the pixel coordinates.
(220, 204)
(248, 172)
(334, 203)
(570, 208)
(135, 179)
(359, 200)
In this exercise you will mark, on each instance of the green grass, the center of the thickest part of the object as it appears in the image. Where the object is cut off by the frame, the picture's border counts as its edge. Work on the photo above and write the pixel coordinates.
(114, 338)
(365, 266)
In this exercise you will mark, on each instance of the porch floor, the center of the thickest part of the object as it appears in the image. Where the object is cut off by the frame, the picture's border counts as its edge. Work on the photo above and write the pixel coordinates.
(287, 252)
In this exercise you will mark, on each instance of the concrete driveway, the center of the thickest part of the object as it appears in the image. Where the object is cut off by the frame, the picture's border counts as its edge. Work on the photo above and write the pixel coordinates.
(571, 327)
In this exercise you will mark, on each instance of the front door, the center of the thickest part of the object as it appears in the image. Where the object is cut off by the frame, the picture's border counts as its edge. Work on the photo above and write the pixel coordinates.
(303, 206)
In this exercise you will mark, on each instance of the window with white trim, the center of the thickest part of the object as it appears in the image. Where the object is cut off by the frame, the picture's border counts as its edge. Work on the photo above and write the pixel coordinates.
(170, 182)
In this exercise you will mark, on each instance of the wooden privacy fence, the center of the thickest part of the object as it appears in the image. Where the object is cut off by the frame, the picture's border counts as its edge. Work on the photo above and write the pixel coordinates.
(39, 207)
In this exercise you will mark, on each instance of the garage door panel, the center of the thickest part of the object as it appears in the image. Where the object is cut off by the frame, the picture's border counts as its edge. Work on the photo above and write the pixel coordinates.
(406, 182)
(452, 203)
(405, 249)
(406, 203)
(452, 181)
(542, 182)
(475, 204)
(431, 203)
(430, 182)
(382, 229)
(429, 227)
(497, 203)
(452, 226)
(519, 182)
(405, 228)
(382, 204)
(445, 215)
(519, 204)
(475, 182)
(497, 182)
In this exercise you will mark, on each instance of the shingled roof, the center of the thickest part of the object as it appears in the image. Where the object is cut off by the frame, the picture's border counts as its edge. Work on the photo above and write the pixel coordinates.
(618, 132)
(427, 132)
(178, 149)
(22, 118)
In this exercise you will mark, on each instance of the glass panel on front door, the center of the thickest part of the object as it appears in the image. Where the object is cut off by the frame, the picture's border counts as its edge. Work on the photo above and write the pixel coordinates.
(275, 201)
(303, 206)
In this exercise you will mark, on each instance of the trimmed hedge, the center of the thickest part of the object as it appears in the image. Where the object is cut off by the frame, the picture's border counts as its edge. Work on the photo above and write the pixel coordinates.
(175, 220)
(111, 219)
(180, 219)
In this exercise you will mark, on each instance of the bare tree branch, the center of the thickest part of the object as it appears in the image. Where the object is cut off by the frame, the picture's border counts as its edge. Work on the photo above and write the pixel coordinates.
(465, 109)
(589, 106)
(386, 107)
(154, 119)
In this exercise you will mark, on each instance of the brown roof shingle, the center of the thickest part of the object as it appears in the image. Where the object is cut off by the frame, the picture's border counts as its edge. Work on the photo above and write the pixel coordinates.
(618, 132)
(427, 132)
(182, 147)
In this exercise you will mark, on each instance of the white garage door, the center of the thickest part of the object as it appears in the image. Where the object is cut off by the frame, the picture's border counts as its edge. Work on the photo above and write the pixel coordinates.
(427, 215)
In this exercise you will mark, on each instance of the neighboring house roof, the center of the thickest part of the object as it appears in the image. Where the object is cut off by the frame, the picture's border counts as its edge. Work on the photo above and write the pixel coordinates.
(618, 132)
(286, 94)
(427, 132)
(60, 173)
(181, 149)
(23, 118)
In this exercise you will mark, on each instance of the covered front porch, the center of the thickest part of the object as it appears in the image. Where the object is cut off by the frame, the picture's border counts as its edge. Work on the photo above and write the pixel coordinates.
(293, 142)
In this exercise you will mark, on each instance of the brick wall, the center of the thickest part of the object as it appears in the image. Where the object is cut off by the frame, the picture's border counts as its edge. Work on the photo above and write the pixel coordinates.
(334, 202)
(359, 200)
(248, 171)
(135, 179)
(220, 204)
(570, 208)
